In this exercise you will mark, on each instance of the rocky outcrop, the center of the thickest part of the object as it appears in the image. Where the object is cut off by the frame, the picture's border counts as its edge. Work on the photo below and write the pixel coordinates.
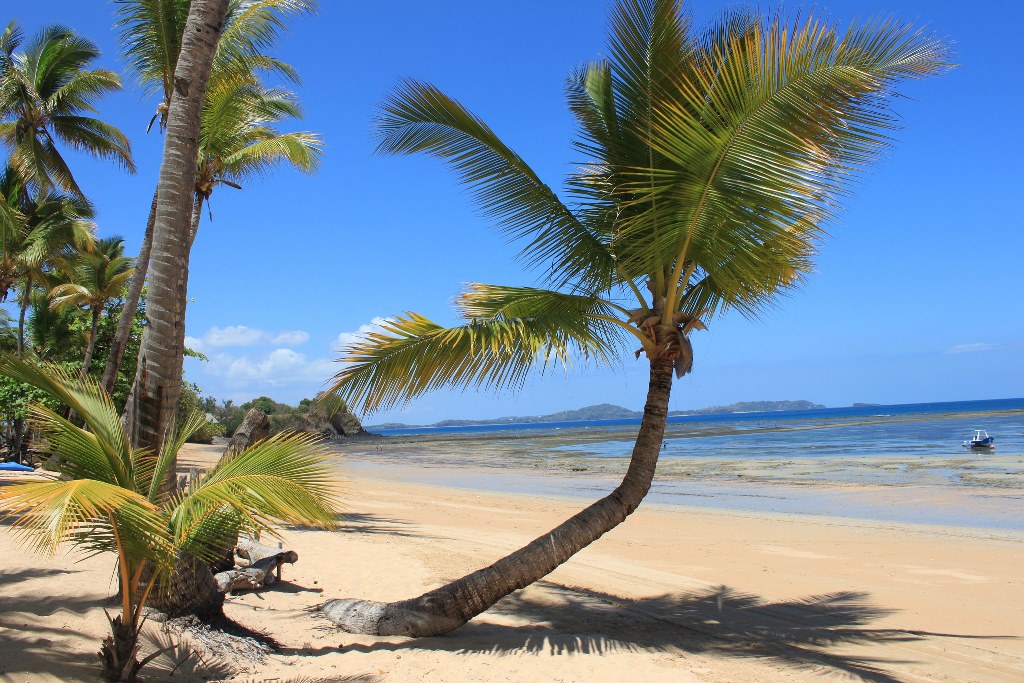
(336, 424)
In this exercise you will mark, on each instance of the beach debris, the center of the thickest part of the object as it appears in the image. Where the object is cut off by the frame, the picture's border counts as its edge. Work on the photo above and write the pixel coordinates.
(257, 565)
(223, 640)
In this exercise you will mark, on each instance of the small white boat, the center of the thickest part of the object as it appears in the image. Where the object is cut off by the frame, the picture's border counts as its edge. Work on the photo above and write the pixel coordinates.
(980, 440)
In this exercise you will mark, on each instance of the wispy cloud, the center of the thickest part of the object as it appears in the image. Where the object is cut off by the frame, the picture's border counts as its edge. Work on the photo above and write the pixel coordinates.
(347, 338)
(241, 335)
(973, 348)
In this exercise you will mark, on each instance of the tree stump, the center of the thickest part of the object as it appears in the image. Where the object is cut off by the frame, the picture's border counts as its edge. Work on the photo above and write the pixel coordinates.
(254, 428)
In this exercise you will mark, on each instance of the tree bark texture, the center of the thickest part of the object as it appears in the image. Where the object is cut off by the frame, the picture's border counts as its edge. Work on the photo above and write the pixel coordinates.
(254, 428)
(90, 349)
(450, 606)
(131, 304)
(191, 589)
(158, 377)
(197, 215)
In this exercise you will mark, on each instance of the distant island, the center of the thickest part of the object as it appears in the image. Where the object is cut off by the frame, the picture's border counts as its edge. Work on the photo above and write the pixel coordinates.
(866, 405)
(607, 411)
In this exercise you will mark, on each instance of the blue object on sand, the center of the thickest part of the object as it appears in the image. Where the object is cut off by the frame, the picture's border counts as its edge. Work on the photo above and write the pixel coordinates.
(15, 467)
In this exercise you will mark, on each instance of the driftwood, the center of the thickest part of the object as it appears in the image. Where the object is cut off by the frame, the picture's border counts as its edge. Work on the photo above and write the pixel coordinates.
(258, 565)
(255, 427)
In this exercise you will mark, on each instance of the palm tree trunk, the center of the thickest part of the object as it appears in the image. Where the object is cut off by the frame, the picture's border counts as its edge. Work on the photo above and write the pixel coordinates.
(158, 376)
(26, 292)
(197, 214)
(451, 606)
(131, 304)
(91, 347)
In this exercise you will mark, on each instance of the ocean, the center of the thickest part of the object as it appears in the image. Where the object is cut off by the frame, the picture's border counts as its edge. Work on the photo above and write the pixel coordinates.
(902, 463)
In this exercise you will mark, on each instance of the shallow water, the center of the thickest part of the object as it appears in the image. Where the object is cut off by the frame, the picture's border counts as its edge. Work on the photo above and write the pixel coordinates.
(893, 465)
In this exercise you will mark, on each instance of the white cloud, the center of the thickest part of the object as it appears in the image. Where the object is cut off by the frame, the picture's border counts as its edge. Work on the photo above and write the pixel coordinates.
(347, 338)
(290, 338)
(280, 367)
(241, 335)
(972, 348)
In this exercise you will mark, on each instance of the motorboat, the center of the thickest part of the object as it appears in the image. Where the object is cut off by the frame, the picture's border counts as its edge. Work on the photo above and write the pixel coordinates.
(980, 440)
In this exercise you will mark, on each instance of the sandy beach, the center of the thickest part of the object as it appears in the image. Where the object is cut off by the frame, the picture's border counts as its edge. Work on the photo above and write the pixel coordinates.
(674, 594)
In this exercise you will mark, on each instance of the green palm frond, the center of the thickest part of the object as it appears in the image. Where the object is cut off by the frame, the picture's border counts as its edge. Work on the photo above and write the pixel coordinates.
(49, 513)
(419, 118)
(282, 479)
(89, 402)
(151, 472)
(509, 332)
(47, 93)
(251, 28)
(787, 114)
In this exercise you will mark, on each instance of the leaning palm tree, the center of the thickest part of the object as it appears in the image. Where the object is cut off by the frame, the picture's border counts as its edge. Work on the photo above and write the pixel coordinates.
(110, 499)
(151, 32)
(712, 162)
(46, 95)
(97, 277)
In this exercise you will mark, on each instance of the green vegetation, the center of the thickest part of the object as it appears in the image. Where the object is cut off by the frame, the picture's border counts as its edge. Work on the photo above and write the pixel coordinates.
(111, 500)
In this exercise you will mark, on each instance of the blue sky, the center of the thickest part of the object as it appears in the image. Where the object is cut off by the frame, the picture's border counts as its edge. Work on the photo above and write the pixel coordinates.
(916, 295)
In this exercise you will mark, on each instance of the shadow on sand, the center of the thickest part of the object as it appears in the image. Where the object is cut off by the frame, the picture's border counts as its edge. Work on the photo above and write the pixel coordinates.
(722, 621)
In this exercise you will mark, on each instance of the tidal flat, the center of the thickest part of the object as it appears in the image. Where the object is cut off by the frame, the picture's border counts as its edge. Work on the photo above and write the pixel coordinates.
(895, 469)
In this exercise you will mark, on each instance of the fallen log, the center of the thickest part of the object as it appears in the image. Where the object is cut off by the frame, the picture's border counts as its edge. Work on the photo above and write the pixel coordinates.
(261, 566)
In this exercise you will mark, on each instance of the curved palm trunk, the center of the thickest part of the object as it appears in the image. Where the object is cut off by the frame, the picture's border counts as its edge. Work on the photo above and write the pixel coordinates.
(131, 304)
(158, 376)
(90, 349)
(450, 606)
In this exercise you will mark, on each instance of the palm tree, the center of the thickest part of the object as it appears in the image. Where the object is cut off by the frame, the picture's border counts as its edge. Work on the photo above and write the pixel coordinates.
(98, 277)
(151, 32)
(110, 498)
(50, 231)
(238, 138)
(154, 397)
(46, 94)
(712, 162)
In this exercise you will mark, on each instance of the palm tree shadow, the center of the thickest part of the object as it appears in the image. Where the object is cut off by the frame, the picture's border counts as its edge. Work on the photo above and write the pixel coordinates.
(28, 643)
(722, 621)
(362, 523)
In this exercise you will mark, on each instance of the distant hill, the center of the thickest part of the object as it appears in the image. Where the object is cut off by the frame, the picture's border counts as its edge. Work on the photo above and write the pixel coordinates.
(607, 411)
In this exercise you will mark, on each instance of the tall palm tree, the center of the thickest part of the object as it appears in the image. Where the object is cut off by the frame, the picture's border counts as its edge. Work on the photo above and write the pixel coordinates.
(110, 498)
(712, 162)
(46, 95)
(154, 397)
(98, 277)
(151, 32)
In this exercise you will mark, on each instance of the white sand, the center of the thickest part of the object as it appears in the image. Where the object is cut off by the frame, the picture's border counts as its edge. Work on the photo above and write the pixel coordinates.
(670, 595)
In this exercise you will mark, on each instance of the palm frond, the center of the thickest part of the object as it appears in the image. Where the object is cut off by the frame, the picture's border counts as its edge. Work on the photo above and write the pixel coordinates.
(509, 332)
(151, 478)
(89, 402)
(285, 478)
(49, 513)
(419, 118)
